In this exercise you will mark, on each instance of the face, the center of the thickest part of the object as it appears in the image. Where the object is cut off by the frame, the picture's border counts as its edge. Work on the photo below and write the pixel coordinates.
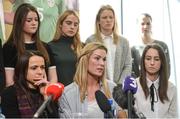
(106, 20)
(97, 63)
(145, 24)
(70, 25)
(36, 70)
(31, 23)
(152, 62)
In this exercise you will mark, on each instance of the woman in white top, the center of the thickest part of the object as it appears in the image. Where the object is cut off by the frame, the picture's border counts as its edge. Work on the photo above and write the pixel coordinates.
(156, 96)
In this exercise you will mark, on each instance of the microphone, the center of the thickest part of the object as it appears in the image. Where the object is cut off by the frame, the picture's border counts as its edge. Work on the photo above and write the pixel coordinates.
(130, 87)
(103, 103)
(53, 91)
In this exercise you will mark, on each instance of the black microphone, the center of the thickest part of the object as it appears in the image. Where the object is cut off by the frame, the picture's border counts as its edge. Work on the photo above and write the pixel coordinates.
(103, 103)
(130, 87)
(53, 91)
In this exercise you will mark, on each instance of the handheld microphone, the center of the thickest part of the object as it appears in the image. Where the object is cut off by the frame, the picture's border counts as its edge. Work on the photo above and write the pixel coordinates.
(53, 91)
(130, 87)
(103, 103)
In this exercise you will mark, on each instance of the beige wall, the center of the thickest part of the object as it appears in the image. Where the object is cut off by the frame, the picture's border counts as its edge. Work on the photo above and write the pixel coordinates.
(7, 8)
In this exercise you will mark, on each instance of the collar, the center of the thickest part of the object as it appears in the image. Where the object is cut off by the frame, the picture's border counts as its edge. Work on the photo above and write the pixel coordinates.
(156, 82)
(103, 36)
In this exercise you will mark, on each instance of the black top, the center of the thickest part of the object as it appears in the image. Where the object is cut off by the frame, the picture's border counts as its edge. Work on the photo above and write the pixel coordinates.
(2, 81)
(9, 104)
(65, 59)
(10, 53)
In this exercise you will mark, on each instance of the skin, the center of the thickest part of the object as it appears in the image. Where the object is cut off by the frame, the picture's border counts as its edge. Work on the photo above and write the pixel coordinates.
(36, 75)
(70, 26)
(145, 24)
(106, 22)
(30, 25)
(152, 64)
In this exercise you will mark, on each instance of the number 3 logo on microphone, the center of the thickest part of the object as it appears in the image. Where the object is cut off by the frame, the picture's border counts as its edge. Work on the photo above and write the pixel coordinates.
(133, 82)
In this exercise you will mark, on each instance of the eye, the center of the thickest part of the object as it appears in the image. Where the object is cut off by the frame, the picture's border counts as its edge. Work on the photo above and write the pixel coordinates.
(148, 58)
(156, 59)
(104, 59)
(148, 23)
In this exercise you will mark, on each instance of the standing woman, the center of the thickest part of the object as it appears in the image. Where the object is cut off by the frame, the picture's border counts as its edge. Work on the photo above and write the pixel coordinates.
(25, 36)
(119, 55)
(66, 46)
(156, 96)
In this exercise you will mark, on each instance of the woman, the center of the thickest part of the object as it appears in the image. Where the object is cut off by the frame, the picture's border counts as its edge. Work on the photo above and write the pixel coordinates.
(156, 97)
(66, 46)
(25, 36)
(22, 99)
(79, 96)
(119, 54)
(145, 25)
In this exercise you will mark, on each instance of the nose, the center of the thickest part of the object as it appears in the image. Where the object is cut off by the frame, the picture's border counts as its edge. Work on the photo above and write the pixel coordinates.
(102, 62)
(39, 71)
(152, 61)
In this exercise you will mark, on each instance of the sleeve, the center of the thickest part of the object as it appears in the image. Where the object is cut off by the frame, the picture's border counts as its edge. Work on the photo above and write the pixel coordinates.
(173, 110)
(64, 107)
(9, 104)
(51, 57)
(126, 70)
(135, 62)
(9, 55)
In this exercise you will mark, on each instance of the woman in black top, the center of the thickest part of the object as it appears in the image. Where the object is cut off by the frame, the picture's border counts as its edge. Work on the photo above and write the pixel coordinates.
(23, 99)
(25, 36)
(66, 45)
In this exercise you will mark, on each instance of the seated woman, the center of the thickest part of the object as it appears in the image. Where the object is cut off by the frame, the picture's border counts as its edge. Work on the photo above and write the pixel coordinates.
(79, 96)
(22, 99)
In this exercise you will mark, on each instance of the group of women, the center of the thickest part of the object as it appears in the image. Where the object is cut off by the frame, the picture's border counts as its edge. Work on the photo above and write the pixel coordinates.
(100, 63)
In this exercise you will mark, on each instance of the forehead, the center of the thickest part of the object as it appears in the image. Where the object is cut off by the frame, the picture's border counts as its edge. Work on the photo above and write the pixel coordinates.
(107, 12)
(143, 18)
(152, 52)
(31, 13)
(99, 52)
(71, 17)
(36, 60)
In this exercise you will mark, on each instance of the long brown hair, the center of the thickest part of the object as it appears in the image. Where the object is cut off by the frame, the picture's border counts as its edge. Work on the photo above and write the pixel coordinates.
(97, 26)
(163, 77)
(76, 40)
(17, 35)
(82, 69)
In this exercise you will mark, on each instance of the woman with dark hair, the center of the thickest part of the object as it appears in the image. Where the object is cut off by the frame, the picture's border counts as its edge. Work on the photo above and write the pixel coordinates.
(66, 46)
(145, 31)
(22, 99)
(156, 97)
(25, 36)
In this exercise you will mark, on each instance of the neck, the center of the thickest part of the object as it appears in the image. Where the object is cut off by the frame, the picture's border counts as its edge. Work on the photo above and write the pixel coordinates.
(146, 39)
(152, 77)
(27, 38)
(106, 32)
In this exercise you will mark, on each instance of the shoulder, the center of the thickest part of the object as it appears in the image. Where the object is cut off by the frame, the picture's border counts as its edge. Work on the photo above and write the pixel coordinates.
(90, 39)
(71, 88)
(8, 92)
(171, 86)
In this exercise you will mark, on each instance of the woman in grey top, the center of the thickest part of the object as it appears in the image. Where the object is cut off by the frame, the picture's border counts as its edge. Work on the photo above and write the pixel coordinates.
(119, 55)
(79, 97)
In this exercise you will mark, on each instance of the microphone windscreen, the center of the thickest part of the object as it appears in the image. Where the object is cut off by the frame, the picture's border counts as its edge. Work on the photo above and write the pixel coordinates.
(102, 101)
(130, 84)
(55, 90)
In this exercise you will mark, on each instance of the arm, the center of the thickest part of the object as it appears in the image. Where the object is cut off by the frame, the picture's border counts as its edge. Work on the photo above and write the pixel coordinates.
(52, 74)
(9, 103)
(173, 109)
(64, 107)
(127, 65)
(9, 76)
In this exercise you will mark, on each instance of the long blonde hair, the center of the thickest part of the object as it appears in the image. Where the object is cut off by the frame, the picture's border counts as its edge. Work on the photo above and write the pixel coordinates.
(76, 40)
(97, 26)
(82, 69)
